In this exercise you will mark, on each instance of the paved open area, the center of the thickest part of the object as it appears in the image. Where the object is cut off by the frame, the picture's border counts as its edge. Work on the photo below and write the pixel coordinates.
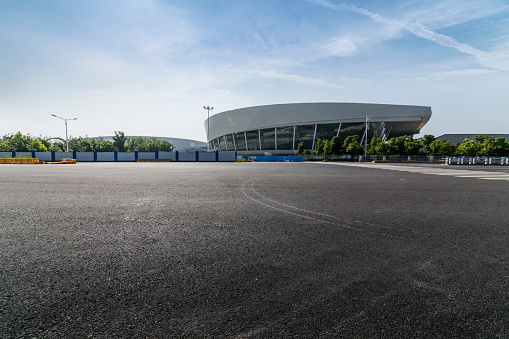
(254, 250)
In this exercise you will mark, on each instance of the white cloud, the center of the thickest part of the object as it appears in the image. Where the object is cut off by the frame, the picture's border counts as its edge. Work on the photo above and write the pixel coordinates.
(494, 60)
(341, 47)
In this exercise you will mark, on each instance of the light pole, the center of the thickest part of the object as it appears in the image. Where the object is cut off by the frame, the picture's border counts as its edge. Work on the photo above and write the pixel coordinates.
(208, 108)
(366, 142)
(66, 138)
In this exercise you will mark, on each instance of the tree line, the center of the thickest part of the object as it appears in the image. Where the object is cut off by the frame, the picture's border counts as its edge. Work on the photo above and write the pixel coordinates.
(480, 145)
(25, 143)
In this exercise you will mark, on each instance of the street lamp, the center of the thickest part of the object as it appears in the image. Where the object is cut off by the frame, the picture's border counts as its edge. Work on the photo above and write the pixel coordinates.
(66, 138)
(366, 142)
(208, 108)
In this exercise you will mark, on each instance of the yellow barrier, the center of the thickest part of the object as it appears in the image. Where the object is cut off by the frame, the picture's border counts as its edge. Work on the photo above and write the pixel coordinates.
(19, 160)
(240, 160)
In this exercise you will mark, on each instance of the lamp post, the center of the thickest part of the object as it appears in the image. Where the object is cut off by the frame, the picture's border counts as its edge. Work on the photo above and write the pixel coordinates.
(208, 108)
(366, 141)
(66, 138)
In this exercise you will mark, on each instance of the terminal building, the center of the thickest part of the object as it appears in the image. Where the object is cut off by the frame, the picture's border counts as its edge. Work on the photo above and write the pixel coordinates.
(280, 128)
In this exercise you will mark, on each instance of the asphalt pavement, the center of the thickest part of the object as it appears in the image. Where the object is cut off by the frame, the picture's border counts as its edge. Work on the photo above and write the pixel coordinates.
(256, 250)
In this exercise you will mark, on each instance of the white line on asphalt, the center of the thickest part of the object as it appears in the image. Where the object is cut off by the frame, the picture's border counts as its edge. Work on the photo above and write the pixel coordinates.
(463, 173)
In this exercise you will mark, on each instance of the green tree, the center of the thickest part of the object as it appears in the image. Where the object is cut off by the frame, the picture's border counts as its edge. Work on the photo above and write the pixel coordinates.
(427, 140)
(412, 146)
(38, 146)
(319, 146)
(352, 146)
(119, 141)
(87, 145)
(468, 148)
(336, 145)
(327, 147)
(165, 146)
(19, 142)
(4, 147)
(375, 141)
(442, 148)
(382, 148)
(300, 147)
(105, 146)
(134, 143)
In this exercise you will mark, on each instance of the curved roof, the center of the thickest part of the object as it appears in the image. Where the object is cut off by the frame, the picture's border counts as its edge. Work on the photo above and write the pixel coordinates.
(258, 117)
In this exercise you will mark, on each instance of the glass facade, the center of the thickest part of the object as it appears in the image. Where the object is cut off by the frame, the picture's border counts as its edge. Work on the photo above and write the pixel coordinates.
(240, 141)
(268, 138)
(305, 133)
(229, 142)
(285, 138)
(326, 131)
(253, 141)
(353, 128)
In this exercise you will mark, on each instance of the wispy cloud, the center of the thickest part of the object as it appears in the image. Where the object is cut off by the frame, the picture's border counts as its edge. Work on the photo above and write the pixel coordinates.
(297, 78)
(416, 29)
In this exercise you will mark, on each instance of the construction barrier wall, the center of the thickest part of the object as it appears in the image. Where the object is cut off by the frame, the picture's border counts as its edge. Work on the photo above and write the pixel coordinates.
(126, 156)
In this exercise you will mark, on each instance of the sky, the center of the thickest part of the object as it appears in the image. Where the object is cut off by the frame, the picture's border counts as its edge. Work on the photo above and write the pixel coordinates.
(147, 67)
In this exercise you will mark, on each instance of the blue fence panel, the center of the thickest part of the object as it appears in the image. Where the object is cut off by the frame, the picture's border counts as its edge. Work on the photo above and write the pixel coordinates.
(23, 154)
(43, 156)
(5, 154)
(226, 156)
(63, 155)
(105, 156)
(187, 156)
(167, 155)
(126, 156)
(146, 155)
(84, 156)
(207, 156)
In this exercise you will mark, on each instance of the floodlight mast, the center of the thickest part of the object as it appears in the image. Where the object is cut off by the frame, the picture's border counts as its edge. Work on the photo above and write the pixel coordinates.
(208, 108)
(66, 138)
(366, 142)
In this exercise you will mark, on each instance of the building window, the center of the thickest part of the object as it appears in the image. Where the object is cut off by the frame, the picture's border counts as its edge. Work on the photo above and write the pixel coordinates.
(354, 128)
(253, 142)
(240, 141)
(305, 133)
(268, 138)
(327, 131)
(222, 144)
(229, 142)
(285, 138)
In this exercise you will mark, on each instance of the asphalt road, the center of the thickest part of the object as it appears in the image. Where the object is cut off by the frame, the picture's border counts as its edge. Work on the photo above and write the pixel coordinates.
(253, 250)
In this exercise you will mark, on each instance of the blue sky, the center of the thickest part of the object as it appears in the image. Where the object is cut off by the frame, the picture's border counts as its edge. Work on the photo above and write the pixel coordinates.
(147, 67)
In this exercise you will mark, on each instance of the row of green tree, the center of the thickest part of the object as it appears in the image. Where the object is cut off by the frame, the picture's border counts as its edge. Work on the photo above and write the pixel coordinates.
(480, 145)
(25, 143)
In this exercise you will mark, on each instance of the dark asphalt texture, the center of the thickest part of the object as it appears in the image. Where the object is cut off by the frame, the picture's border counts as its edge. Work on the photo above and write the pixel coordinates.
(243, 250)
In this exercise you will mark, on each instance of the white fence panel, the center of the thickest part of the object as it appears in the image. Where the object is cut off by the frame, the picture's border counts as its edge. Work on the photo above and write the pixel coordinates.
(207, 156)
(126, 156)
(5, 154)
(105, 156)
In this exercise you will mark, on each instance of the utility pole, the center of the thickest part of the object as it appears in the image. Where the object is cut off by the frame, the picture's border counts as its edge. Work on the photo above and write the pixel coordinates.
(366, 139)
(208, 108)
(66, 138)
